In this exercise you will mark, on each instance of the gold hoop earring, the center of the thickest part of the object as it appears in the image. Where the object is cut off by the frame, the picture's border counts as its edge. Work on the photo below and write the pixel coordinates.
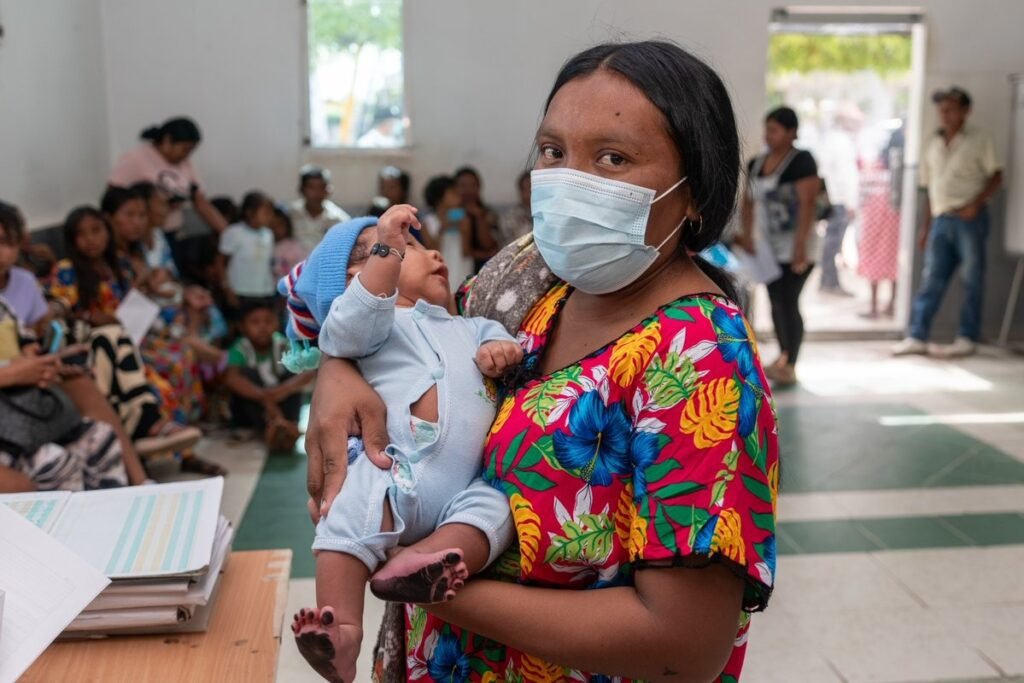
(700, 225)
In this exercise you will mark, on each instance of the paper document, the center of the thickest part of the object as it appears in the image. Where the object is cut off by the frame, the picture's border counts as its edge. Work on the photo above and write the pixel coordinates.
(45, 585)
(144, 531)
(137, 313)
(42, 508)
(761, 266)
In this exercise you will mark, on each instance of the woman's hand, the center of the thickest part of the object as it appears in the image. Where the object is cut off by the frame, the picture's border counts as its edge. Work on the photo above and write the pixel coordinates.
(24, 371)
(744, 242)
(343, 405)
(800, 264)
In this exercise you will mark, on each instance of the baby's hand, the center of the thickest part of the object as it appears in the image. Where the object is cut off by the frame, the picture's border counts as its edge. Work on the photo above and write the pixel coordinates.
(494, 358)
(393, 226)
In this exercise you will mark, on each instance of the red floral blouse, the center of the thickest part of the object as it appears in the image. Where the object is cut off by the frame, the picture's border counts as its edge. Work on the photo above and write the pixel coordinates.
(658, 447)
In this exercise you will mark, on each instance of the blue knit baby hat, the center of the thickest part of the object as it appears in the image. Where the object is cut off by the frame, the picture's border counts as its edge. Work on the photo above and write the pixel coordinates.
(312, 286)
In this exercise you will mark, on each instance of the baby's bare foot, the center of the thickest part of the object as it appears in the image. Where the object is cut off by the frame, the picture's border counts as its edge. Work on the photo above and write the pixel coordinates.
(330, 648)
(415, 577)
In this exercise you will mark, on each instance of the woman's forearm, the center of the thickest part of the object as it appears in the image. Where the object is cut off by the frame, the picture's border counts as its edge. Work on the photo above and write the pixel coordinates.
(614, 631)
(805, 221)
(209, 213)
(747, 216)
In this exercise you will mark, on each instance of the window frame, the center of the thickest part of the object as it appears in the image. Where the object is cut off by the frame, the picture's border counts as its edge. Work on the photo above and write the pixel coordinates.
(307, 125)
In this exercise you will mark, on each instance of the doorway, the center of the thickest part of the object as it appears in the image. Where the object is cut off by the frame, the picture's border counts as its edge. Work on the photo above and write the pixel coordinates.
(855, 81)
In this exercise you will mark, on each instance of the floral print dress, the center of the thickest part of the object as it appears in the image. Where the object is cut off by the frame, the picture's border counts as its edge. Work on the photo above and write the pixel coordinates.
(659, 448)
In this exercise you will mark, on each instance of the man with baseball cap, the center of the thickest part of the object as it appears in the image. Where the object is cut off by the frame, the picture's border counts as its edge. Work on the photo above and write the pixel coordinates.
(960, 173)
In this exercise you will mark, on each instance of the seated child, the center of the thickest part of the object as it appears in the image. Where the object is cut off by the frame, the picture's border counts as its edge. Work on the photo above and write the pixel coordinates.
(288, 251)
(264, 395)
(382, 299)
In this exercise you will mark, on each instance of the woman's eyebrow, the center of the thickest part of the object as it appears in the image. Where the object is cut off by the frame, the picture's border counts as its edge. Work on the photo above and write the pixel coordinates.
(595, 139)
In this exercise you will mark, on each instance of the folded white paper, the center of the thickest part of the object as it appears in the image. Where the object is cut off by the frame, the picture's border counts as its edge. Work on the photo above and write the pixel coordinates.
(45, 584)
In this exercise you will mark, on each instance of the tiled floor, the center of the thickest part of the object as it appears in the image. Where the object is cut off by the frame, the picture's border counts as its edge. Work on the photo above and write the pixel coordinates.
(901, 535)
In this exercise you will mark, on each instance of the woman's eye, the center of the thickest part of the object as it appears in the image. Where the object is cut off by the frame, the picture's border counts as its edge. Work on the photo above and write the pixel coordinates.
(613, 159)
(550, 153)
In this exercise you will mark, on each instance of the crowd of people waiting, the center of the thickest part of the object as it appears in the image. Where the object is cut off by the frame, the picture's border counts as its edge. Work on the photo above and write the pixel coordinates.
(91, 407)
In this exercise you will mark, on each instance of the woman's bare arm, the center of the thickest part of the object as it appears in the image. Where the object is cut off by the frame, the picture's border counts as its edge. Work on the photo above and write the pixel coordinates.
(676, 625)
(334, 415)
(208, 212)
(807, 193)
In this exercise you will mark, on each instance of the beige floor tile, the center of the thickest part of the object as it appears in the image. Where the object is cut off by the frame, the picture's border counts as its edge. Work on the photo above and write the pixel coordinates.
(778, 652)
(839, 581)
(997, 631)
(891, 644)
(959, 577)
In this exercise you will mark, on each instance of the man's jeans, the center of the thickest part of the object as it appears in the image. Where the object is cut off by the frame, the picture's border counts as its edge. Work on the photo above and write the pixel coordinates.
(952, 242)
(833, 244)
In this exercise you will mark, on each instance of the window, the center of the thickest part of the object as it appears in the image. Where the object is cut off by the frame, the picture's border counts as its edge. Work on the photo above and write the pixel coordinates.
(356, 79)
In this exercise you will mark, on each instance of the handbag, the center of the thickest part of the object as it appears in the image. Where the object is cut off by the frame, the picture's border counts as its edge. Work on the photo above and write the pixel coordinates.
(822, 203)
(33, 417)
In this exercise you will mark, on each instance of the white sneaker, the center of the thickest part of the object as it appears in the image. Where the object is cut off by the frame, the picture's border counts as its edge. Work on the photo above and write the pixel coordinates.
(960, 348)
(909, 347)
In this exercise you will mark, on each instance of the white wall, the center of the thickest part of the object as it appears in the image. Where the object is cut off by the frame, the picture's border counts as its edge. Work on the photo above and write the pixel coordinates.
(232, 65)
(53, 122)
(477, 74)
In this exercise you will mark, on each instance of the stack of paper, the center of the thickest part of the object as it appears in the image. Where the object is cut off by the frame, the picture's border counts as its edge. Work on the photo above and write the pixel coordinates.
(162, 546)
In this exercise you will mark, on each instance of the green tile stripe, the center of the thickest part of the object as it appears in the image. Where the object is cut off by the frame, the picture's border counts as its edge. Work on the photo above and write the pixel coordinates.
(900, 533)
(842, 447)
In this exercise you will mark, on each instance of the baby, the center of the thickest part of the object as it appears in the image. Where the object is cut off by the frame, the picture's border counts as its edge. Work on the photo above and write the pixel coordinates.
(380, 298)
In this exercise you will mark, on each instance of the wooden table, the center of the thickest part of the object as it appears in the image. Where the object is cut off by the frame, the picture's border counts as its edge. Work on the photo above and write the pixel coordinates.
(241, 644)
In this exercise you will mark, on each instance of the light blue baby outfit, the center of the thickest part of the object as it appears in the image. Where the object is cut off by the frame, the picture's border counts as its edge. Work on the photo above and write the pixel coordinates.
(435, 480)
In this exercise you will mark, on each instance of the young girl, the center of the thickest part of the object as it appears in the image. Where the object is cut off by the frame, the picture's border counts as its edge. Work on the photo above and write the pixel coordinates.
(90, 285)
(246, 251)
(288, 251)
(92, 281)
(447, 228)
(17, 285)
(383, 299)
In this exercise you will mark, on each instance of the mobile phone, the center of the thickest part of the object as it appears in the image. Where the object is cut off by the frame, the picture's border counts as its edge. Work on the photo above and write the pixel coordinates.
(56, 336)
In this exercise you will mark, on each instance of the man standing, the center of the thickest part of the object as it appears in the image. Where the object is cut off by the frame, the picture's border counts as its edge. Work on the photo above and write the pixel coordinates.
(960, 173)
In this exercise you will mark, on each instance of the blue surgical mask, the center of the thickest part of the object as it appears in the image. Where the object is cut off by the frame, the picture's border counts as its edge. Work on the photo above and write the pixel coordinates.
(455, 215)
(591, 230)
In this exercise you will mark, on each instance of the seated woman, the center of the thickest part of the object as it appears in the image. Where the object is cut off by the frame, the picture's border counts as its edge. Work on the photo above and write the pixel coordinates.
(88, 453)
(172, 346)
(89, 286)
(25, 306)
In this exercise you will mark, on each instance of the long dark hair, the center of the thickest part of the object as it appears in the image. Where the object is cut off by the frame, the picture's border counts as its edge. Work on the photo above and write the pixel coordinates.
(178, 129)
(89, 278)
(113, 199)
(699, 117)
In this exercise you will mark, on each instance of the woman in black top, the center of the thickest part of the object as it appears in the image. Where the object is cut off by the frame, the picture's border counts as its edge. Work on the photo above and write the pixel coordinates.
(780, 200)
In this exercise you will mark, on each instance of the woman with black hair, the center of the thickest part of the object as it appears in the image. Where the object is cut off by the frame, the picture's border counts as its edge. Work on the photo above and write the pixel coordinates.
(89, 286)
(779, 206)
(162, 158)
(636, 442)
